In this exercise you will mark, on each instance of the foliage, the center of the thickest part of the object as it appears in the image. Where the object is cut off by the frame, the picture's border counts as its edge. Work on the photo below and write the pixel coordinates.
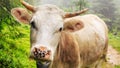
(14, 39)
(109, 11)
(14, 45)
(117, 66)
(80, 4)
(114, 40)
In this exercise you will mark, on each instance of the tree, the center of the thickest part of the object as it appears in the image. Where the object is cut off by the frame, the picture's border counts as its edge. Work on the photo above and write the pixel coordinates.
(80, 4)
(106, 9)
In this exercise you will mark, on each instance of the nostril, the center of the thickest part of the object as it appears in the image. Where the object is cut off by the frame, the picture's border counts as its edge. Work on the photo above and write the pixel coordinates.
(41, 53)
(44, 55)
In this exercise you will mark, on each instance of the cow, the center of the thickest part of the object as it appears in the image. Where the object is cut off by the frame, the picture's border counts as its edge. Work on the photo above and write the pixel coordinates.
(64, 39)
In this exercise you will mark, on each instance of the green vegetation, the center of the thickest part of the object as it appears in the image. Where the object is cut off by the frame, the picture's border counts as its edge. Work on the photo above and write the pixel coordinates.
(14, 45)
(114, 40)
(117, 66)
(14, 39)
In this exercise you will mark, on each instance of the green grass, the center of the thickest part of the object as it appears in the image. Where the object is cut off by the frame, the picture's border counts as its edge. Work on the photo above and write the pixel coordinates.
(117, 66)
(14, 50)
(114, 40)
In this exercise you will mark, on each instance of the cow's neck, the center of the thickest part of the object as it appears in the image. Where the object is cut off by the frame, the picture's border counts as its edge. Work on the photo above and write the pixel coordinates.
(67, 53)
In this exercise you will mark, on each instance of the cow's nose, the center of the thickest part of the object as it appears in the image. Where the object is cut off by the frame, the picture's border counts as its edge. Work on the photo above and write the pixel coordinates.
(41, 53)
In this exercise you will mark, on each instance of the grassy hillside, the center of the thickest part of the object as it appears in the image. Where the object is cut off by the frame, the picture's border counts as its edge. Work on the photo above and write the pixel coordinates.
(114, 40)
(14, 45)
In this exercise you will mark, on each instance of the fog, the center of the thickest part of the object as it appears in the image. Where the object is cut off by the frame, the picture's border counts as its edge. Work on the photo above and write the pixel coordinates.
(109, 10)
(67, 5)
(61, 3)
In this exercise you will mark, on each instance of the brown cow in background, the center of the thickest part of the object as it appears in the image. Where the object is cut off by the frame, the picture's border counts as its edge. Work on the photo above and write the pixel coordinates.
(64, 39)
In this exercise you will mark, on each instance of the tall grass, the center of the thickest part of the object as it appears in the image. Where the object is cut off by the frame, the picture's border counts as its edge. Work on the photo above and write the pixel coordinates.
(14, 45)
(114, 40)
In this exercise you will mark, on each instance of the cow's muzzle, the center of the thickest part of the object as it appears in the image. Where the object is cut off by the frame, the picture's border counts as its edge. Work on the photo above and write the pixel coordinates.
(41, 53)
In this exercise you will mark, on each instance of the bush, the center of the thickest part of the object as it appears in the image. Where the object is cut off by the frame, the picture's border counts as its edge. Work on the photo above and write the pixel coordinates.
(14, 45)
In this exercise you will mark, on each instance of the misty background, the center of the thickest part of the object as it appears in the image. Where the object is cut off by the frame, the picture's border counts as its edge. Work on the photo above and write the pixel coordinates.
(108, 10)
(15, 38)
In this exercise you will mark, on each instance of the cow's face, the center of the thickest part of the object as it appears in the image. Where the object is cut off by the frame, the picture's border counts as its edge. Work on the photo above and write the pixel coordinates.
(47, 23)
(46, 26)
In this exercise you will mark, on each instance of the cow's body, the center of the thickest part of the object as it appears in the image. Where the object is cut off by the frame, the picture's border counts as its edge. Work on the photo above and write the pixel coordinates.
(83, 48)
(76, 42)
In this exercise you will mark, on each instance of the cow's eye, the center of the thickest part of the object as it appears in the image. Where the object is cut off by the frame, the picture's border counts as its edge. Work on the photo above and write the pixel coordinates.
(33, 24)
(60, 29)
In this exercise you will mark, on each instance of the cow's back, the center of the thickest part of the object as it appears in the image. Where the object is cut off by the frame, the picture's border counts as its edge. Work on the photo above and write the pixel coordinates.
(92, 38)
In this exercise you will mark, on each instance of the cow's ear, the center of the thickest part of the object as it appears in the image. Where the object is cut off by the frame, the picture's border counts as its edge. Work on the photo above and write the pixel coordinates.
(73, 25)
(21, 15)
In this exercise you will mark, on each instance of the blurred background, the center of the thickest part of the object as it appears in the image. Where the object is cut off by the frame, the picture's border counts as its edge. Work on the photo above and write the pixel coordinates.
(14, 36)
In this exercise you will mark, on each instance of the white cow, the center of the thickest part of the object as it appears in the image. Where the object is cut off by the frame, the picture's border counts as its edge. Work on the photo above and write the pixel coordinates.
(65, 40)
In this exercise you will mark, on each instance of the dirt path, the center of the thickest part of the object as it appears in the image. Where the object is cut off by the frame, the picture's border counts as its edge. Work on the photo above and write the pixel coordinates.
(113, 56)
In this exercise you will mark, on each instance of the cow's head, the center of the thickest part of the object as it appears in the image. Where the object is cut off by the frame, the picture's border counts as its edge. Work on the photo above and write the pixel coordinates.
(47, 23)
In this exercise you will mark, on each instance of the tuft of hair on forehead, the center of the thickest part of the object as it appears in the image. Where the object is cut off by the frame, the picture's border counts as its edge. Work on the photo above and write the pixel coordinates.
(49, 8)
(68, 49)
